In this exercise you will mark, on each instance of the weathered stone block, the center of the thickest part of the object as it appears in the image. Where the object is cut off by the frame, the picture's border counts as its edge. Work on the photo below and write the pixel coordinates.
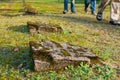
(46, 27)
(57, 55)
(29, 9)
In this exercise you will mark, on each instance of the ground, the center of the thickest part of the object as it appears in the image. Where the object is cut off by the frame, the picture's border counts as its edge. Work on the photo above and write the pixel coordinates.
(79, 29)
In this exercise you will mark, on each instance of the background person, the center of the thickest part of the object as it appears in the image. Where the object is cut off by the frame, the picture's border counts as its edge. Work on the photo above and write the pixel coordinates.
(92, 6)
(114, 11)
(102, 5)
(72, 6)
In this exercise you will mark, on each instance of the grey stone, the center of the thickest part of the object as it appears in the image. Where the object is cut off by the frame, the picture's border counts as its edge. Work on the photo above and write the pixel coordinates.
(46, 27)
(58, 55)
(29, 9)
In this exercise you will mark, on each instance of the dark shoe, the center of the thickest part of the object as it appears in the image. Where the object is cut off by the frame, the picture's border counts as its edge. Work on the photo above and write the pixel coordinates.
(114, 23)
(86, 10)
(64, 12)
(73, 12)
(99, 16)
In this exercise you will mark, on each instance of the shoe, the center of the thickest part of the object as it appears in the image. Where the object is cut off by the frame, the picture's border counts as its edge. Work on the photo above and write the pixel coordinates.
(86, 10)
(99, 16)
(114, 23)
(64, 12)
(93, 13)
(73, 12)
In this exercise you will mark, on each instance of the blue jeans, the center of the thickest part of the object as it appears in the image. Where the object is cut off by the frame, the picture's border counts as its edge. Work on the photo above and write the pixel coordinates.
(93, 5)
(72, 5)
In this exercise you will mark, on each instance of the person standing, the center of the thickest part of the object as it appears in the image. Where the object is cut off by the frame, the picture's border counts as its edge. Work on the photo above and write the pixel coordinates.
(92, 6)
(72, 6)
(102, 5)
(114, 11)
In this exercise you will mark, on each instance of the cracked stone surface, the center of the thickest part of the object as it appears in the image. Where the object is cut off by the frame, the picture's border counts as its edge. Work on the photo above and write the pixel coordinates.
(58, 55)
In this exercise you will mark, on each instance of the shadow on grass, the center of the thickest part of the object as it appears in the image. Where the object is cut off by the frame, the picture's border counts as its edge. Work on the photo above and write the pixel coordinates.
(87, 21)
(17, 57)
(18, 14)
(21, 28)
(83, 20)
(10, 15)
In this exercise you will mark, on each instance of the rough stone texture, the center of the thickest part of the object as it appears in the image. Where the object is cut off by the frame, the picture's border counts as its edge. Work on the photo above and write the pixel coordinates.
(57, 55)
(30, 9)
(46, 27)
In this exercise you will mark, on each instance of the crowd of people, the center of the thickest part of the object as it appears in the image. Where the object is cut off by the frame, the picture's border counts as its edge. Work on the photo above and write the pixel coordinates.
(114, 9)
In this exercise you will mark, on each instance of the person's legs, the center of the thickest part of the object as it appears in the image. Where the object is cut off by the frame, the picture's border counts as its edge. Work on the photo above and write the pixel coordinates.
(102, 5)
(73, 6)
(65, 6)
(114, 12)
(93, 6)
(86, 4)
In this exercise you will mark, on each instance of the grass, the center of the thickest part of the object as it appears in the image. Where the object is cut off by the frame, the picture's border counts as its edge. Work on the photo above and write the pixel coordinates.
(79, 29)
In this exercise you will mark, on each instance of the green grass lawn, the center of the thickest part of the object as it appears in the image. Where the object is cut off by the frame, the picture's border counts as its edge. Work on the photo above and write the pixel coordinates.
(79, 29)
